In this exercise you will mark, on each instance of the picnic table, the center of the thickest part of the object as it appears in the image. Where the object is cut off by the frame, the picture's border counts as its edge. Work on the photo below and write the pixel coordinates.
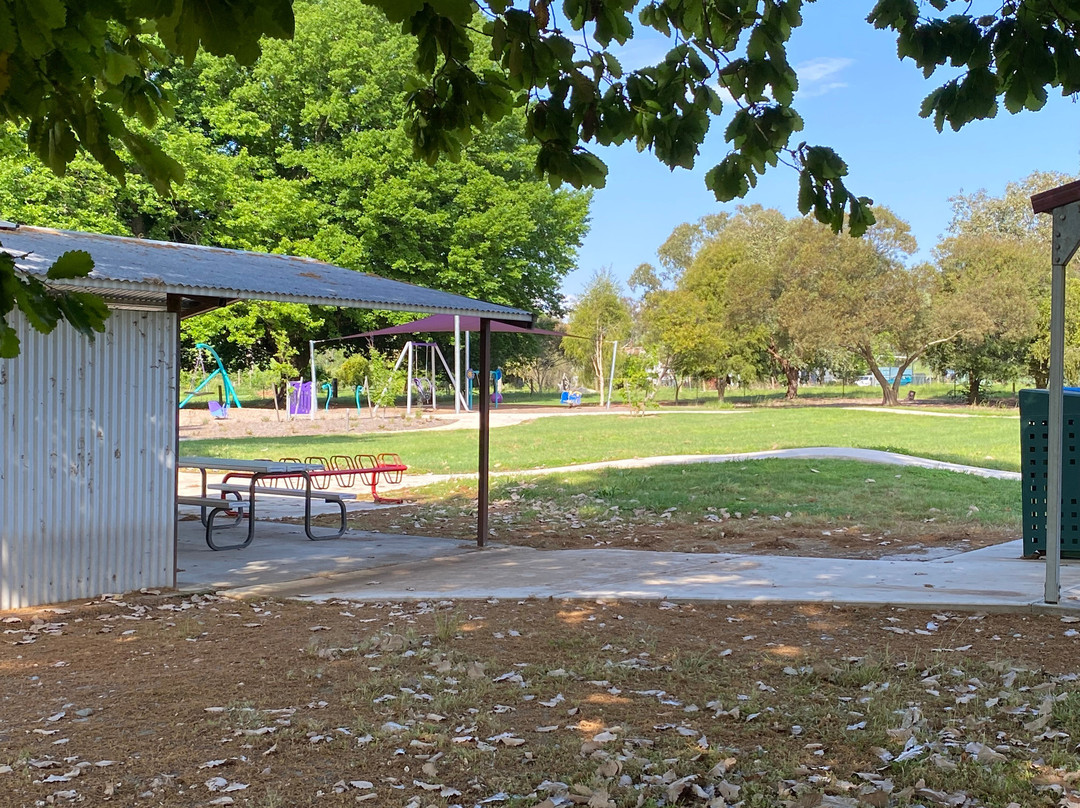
(253, 472)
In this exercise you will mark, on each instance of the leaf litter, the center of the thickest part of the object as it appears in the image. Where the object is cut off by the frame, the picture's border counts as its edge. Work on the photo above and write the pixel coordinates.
(537, 703)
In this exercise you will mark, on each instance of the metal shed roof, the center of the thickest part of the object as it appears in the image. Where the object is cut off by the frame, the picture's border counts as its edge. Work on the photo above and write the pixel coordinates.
(140, 273)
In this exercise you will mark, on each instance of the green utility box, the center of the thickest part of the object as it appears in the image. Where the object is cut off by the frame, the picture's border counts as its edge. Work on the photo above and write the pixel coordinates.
(1034, 416)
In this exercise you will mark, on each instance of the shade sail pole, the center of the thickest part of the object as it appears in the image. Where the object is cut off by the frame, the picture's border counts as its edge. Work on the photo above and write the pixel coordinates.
(457, 363)
(408, 381)
(314, 393)
(482, 491)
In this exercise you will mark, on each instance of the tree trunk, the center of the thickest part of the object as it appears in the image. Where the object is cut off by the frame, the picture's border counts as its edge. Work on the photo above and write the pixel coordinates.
(722, 383)
(677, 391)
(888, 393)
(792, 374)
(974, 382)
(1041, 376)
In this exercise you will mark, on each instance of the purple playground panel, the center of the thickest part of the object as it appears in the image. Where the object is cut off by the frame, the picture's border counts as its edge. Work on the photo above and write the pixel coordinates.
(300, 398)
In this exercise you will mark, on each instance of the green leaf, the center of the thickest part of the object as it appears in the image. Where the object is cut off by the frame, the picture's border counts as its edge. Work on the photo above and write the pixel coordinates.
(9, 341)
(72, 264)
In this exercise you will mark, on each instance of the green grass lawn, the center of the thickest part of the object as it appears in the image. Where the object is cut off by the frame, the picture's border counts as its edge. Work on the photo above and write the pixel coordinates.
(988, 441)
(814, 492)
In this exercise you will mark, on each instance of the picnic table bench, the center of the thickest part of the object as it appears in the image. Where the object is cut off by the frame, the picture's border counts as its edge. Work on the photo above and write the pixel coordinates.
(371, 469)
(210, 508)
(252, 472)
(289, 477)
(338, 498)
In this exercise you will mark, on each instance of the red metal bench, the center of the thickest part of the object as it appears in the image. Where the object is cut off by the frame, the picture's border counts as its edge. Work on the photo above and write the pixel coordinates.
(372, 469)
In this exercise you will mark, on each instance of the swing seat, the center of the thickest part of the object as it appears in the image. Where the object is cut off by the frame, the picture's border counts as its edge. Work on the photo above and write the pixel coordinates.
(216, 410)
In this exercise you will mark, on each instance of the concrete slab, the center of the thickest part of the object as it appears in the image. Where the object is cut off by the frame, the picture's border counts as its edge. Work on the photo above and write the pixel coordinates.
(281, 554)
(991, 578)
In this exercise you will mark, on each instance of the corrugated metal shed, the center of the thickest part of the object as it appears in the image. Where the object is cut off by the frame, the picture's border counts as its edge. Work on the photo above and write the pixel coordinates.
(88, 460)
(140, 273)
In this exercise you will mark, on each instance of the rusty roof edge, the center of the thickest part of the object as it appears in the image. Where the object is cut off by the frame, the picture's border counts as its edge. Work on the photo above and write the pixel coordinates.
(478, 308)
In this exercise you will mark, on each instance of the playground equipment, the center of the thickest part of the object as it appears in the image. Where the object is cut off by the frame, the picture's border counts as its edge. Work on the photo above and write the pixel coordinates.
(425, 383)
(300, 395)
(220, 373)
(571, 398)
(327, 388)
(496, 387)
(458, 325)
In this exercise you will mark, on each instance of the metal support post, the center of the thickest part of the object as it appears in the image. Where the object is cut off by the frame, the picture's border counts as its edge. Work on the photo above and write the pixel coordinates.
(314, 386)
(482, 490)
(457, 363)
(1066, 240)
(408, 382)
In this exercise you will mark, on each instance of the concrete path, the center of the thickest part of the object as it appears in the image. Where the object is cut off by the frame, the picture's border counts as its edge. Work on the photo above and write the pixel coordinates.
(993, 578)
(372, 566)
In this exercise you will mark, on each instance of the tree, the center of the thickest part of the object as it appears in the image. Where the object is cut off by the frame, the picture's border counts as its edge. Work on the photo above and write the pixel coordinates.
(536, 360)
(601, 316)
(992, 287)
(305, 152)
(1003, 232)
(76, 72)
(857, 294)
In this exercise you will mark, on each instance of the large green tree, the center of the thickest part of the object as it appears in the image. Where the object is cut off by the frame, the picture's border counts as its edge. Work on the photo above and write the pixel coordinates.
(993, 288)
(600, 317)
(305, 152)
(77, 73)
(859, 295)
(994, 267)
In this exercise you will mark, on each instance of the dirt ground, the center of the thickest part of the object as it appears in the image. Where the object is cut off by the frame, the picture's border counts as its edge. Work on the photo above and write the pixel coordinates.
(754, 536)
(265, 422)
(155, 700)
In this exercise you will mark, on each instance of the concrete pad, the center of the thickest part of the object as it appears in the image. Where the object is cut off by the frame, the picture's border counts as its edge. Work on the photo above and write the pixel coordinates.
(281, 553)
(993, 578)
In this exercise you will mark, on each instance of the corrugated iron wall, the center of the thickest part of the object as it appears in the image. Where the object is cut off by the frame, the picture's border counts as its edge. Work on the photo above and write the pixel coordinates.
(87, 460)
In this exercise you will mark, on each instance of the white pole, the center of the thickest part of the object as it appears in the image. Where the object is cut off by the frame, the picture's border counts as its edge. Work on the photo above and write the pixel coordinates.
(431, 374)
(288, 387)
(457, 363)
(397, 364)
(611, 379)
(408, 383)
(314, 389)
(459, 397)
(468, 362)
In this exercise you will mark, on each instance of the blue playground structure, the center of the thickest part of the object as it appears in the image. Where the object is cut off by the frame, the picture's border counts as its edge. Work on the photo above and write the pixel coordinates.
(496, 386)
(231, 399)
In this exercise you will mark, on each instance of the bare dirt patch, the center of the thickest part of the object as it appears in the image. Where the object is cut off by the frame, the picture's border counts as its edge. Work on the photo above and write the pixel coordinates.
(205, 701)
(264, 422)
(751, 535)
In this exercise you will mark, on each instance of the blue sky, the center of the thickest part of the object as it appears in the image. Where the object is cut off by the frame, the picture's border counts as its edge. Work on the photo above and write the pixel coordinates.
(857, 97)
